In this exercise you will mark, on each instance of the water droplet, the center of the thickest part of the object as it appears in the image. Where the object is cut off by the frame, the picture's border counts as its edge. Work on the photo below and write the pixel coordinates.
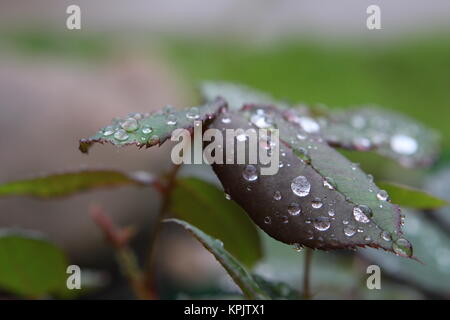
(301, 136)
(193, 113)
(226, 120)
(302, 153)
(227, 196)
(167, 109)
(171, 120)
(362, 143)
(358, 122)
(329, 183)
(349, 230)
(136, 115)
(362, 213)
(277, 195)
(267, 220)
(154, 139)
(294, 209)
(383, 195)
(322, 223)
(331, 213)
(300, 186)
(147, 130)
(402, 247)
(241, 137)
(404, 144)
(130, 125)
(261, 120)
(386, 236)
(284, 219)
(344, 221)
(108, 131)
(317, 203)
(367, 238)
(297, 247)
(250, 173)
(308, 124)
(121, 135)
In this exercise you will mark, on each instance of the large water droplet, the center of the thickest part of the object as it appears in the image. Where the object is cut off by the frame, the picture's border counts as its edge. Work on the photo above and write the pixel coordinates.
(383, 195)
(362, 213)
(402, 247)
(294, 209)
(404, 144)
(322, 223)
(250, 173)
(300, 186)
(121, 135)
(130, 125)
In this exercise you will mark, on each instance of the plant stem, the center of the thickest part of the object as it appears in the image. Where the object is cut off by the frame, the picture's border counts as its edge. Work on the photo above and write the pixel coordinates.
(307, 274)
(118, 239)
(150, 273)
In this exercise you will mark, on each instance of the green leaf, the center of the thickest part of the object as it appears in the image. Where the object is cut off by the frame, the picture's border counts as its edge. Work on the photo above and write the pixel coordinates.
(205, 206)
(389, 133)
(236, 95)
(277, 290)
(412, 198)
(366, 128)
(431, 246)
(30, 266)
(237, 272)
(148, 130)
(67, 183)
(439, 184)
(341, 208)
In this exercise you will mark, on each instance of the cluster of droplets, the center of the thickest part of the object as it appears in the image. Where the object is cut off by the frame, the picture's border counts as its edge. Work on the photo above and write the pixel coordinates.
(122, 128)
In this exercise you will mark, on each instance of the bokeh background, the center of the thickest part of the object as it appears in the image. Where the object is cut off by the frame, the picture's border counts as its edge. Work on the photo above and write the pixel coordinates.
(58, 85)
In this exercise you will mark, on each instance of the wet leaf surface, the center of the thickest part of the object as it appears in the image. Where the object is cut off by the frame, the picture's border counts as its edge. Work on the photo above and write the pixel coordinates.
(317, 199)
(389, 133)
(237, 272)
(152, 129)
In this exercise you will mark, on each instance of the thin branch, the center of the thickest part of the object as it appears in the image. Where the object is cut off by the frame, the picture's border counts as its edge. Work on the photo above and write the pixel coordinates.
(167, 192)
(119, 238)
